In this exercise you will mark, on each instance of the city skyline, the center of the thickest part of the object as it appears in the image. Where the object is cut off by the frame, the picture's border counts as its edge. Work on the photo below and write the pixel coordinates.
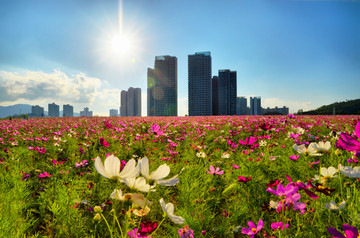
(298, 53)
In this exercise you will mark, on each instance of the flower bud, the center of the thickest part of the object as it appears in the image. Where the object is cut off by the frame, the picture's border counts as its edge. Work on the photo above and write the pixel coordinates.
(97, 217)
(97, 209)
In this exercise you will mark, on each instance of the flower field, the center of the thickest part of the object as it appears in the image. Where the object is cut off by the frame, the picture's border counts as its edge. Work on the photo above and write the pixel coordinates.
(239, 176)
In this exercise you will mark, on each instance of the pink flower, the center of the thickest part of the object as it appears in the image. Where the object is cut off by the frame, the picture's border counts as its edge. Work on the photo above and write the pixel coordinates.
(186, 232)
(135, 234)
(294, 157)
(235, 166)
(244, 179)
(249, 141)
(348, 142)
(44, 175)
(350, 232)
(156, 129)
(292, 199)
(252, 230)
(214, 171)
(279, 225)
(103, 142)
(281, 191)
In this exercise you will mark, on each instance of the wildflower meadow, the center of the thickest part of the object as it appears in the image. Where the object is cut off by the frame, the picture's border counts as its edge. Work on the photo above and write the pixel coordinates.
(224, 176)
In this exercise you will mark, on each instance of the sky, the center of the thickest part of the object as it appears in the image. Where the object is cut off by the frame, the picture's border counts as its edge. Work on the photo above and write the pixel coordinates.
(296, 53)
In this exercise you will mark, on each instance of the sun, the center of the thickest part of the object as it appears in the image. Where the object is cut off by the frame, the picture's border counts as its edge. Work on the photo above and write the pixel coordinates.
(121, 45)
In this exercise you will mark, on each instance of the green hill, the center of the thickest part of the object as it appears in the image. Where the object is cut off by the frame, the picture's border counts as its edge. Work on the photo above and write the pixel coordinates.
(349, 107)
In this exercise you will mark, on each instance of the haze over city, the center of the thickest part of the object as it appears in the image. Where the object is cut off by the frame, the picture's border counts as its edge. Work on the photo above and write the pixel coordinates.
(300, 54)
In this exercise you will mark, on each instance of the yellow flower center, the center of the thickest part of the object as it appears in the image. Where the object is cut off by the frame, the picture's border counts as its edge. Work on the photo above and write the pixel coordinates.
(253, 230)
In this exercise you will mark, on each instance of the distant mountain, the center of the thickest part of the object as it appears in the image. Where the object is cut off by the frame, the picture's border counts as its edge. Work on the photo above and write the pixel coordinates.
(17, 109)
(349, 107)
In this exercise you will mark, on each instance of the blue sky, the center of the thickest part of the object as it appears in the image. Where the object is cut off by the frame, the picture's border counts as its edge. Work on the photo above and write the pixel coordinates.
(297, 53)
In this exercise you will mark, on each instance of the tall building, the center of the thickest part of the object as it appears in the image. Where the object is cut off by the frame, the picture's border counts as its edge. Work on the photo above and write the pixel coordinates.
(215, 95)
(68, 110)
(37, 111)
(275, 111)
(199, 84)
(162, 87)
(53, 110)
(114, 112)
(241, 106)
(255, 106)
(86, 113)
(224, 93)
(130, 102)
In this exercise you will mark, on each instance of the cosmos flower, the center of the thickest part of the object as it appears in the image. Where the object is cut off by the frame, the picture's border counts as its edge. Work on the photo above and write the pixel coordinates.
(253, 230)
(350, 232)
(111, 168)
(169, 210)
(281, 191)
(311, 150)
(138, 184)
(214, 171)
(279, 225)
(326, 174)
(348, 142)
(350, 172)
(332, 205)
(157, 176)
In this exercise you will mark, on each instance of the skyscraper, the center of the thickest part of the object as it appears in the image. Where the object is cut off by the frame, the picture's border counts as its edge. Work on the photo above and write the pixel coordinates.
(199, 84)
(68, 110)
(53, 110)
(130, 102)
(215, 95)
(86, 113)
(241, 105)
(255, 106)
(162, 87)
(225, 92)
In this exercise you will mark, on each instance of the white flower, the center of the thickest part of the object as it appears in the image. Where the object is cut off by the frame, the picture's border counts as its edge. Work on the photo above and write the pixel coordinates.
(321, 146)
(350, 172)
(301, 149)
(169, 210)
(225, 155)
(326, 173)
(332, 205)
(117, 194)
(158, 175)
(138, 199)
(263, 143)
(111, 168)
(138, 184)
(201, 155)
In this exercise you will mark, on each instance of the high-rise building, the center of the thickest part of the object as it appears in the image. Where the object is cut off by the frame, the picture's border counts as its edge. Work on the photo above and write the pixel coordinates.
(68, 110)
(130, 102)
(199, 84)
(255, 106)
(162, 87)
(53, 110)
(241, 106)
(86, 113)
(37, 111)
(114, 112)
(215, 95)
(225, 93)
(275, 111)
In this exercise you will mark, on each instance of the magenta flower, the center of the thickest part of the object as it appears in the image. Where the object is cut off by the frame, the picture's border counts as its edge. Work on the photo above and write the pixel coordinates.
(281, 191)
(103, 142)
(214, 171)
(249, 141)
(279, 225)
(235, 166)
(348, 142)
(244, 179)
(156, 129)
(292, 200)
(135, 234)
(252, 230)
(186, 232)
(294, 157)
(44, 175)
(350, 232)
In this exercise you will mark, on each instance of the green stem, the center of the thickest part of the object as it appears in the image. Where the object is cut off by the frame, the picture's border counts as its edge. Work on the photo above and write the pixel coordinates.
(118, 223)
(107, 224)
(152, 233)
